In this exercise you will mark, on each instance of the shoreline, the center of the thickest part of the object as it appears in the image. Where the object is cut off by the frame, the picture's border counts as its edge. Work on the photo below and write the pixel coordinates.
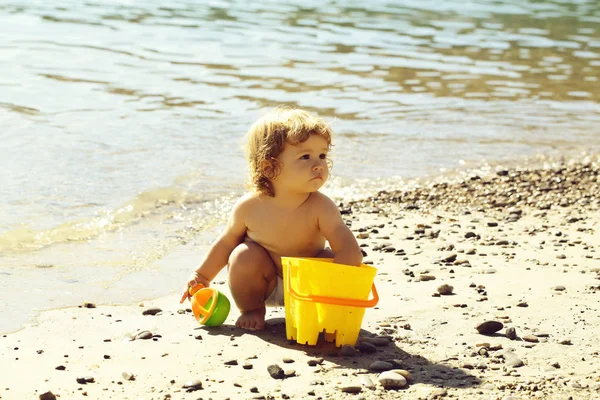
(517, 246)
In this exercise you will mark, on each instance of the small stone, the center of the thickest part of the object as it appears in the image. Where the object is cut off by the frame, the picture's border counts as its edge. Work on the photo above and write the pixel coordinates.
(511, 333)
(231, 362)
(565, 341)
(391, 380)
(87, 304)
(289, 373)
(47, 396)
(128, 376)
(559, 288)
(449, 258)
(530, 339)
(445, 289)
(367, 348)
(151, 311)
(351, 388)
(437, 393)
(522, 304)
(404, 373)
(192, 386)
(313, 362)
(275, 371)
(61, 368)
(425, 278)
(489, 327)
(555, 364)
(379, 366)
(348, 351)
(367, 382)
(145, 335)
(287, 360)
(247, 366)
(512, 361)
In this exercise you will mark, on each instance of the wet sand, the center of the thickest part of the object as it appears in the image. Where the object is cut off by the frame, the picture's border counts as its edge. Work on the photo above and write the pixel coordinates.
(516, 248)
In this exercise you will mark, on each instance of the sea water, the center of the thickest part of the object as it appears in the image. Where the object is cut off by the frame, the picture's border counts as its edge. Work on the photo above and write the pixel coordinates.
(121, 122)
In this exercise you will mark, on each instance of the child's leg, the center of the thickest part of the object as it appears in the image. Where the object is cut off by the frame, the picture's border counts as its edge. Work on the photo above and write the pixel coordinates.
(252, 277)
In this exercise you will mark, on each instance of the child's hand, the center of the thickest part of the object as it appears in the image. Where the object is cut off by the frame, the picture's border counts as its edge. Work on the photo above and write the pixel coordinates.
(195, 279)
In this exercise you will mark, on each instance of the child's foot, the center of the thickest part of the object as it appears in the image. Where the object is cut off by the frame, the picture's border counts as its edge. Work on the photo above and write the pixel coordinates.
(253, 320)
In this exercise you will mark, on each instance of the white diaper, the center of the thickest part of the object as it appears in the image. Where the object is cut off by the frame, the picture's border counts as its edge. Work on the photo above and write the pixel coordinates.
(275, 299)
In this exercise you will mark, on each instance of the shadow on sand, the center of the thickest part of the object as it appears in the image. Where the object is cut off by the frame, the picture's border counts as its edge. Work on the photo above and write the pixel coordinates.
(422, 370)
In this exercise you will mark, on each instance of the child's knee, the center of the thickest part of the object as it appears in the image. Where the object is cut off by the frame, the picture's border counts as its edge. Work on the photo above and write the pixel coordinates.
(250, 259)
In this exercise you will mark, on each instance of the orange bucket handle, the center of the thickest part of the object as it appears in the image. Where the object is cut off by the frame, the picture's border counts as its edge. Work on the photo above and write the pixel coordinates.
(338, 301)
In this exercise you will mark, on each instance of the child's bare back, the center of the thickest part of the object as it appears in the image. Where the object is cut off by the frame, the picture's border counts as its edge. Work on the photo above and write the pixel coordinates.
(285, 215)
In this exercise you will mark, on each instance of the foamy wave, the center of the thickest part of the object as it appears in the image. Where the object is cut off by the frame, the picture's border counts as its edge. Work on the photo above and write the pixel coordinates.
(153, 203)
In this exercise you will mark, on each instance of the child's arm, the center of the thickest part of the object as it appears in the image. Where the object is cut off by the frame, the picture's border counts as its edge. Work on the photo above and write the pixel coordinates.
(218, 254)
(340, 237)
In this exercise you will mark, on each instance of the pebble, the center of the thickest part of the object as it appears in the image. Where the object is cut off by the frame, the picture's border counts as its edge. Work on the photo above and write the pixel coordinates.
(87, 304)
(404, 373)
(559, 288)
(348, 351)
(84, 379)
(437, 393)
(425, 278)
(367, 382)
(287, 360)
(530, 339)
(47, 396)
(391, 380)
(512, 361)
(151, 311)
(367, 348)
(379, 366)
(351, 388)
(313, 362)
(145, 335)
(445, 289)
(522, 304)
(231, 362)
(128, 376)
(247, 366)
(511, 333)
(275, 371)
(449, 258)
(565, 341)
(489, 327)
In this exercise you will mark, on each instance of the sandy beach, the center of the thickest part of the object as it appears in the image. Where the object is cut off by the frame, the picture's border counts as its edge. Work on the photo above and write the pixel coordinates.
(515, 249)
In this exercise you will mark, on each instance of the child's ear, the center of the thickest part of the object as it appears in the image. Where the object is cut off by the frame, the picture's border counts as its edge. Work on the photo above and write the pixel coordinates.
(269, 168)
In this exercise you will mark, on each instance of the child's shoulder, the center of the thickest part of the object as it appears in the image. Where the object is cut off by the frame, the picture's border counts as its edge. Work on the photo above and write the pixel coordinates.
(249, 200)
(321, 201)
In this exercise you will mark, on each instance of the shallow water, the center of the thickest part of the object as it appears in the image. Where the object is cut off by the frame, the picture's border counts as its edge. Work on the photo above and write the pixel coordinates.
(120, 147)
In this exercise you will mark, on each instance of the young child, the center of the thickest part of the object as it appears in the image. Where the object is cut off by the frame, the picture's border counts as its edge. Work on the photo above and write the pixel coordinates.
(285, 214)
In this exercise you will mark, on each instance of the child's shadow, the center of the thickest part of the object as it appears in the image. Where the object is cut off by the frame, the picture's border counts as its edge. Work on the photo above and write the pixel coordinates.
(421, 369)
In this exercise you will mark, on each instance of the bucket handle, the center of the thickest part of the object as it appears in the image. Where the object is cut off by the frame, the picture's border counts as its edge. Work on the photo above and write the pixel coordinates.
(338, 301)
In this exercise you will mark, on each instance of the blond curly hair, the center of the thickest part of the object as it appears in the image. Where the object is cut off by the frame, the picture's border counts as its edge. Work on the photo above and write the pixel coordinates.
(269, 134)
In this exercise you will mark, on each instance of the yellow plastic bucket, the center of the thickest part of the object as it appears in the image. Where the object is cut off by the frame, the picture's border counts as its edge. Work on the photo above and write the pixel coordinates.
(322, 296)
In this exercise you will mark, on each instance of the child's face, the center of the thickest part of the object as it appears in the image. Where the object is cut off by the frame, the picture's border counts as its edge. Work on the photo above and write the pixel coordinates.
(304, 166)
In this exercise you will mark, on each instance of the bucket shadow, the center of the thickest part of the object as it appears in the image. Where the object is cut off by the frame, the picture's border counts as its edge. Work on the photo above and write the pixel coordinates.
(422, 370)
